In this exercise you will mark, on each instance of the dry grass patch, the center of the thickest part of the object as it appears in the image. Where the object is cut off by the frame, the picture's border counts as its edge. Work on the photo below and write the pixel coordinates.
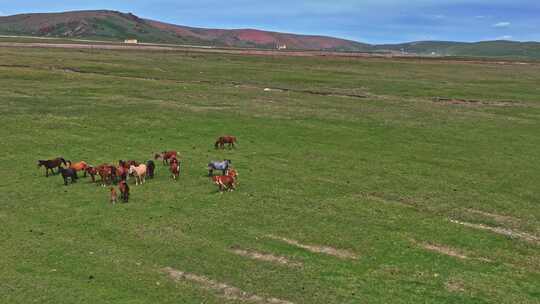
(226, 291)
(266, 257)
(503, 231)
(340, 253)
(444, 250)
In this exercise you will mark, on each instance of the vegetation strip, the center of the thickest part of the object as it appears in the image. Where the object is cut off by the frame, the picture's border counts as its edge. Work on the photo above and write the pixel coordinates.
(265, 257)
(503, 231)
(340, 253)
(227, 291)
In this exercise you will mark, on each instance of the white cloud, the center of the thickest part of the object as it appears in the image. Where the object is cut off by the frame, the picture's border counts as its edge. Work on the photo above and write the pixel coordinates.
(505, 37)
(2, 13)
(502, 24)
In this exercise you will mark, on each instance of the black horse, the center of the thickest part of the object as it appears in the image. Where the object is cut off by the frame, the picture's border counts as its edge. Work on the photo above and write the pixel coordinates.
(215, 165)
(150, 168)
(51, 164)
(68, 173)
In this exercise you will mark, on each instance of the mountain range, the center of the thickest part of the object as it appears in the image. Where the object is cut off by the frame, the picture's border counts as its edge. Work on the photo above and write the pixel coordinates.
(117, 26)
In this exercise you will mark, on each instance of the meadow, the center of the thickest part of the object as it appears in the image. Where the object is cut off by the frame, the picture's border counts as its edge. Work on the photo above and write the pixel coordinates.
(433, 201)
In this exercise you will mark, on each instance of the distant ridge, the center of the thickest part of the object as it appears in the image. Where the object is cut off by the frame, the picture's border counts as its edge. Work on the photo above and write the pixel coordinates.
(113, 25)
(118, 26)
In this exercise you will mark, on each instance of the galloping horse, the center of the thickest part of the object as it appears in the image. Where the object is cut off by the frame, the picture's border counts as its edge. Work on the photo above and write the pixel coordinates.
(79, 166)
(221, 141)
(51, 164)
(140, 173)
(68, 173)
(174, 167)
(124, 191)
(226, 182)
(150, 167)
(165, 156)
(223, 166)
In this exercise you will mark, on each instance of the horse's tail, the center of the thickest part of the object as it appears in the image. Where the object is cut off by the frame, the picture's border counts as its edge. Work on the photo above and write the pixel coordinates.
(67, 161)
(217, 143)
(64, 161)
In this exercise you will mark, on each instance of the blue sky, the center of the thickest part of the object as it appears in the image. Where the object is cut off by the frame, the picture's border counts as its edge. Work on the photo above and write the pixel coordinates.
(372, 21)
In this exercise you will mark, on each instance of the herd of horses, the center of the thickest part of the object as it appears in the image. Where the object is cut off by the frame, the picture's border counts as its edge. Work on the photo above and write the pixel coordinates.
(119, 174)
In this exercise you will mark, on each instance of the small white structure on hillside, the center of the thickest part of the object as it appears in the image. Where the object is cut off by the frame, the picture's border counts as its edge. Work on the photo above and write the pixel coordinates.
(281, 46)
(131, 41)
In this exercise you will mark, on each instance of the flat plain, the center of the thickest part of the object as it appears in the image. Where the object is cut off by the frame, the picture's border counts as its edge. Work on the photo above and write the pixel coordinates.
(362, 180)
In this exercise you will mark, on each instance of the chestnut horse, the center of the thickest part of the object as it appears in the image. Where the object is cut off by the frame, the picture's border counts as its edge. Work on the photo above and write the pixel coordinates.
(139, 172)
(226, 182)
(106, 172)
(221, 141)
(174, 167)
(166, 156)
(92, 171)
(113, 196)
(79, 166)
(51, 164)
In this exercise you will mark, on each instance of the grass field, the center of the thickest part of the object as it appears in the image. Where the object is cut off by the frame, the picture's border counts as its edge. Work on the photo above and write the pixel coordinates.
(437, 202)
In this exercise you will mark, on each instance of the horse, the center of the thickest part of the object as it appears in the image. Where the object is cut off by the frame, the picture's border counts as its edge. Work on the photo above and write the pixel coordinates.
(150, 167)
(92, 171)
(105, 172)
(174, 167)
(221, 141)
(140, 173)
(165, 156)
(79, 166)
(51, 164)
(113, 196)
(215, 165)
(68, 173)
(124, 190)
(121, 173)
(226, 182)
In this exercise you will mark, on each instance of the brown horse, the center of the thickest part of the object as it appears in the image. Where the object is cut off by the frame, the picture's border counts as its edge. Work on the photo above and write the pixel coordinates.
(124, 191)
(221, 141)
(106, 172)
(166, 156)
(92, 171)
(174, 167)
(113, 196)
(79, 166)
(51, 164)
(226, 182)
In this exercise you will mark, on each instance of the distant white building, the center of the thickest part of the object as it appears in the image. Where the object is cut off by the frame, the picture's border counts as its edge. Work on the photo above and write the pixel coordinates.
(131, 41)
(281, 46)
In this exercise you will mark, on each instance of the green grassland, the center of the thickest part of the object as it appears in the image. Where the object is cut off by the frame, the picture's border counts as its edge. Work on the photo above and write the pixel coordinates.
(379, 176)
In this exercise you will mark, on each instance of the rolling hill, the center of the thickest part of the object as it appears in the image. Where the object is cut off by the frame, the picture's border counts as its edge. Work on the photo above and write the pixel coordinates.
(112, 25)
(117, 26)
